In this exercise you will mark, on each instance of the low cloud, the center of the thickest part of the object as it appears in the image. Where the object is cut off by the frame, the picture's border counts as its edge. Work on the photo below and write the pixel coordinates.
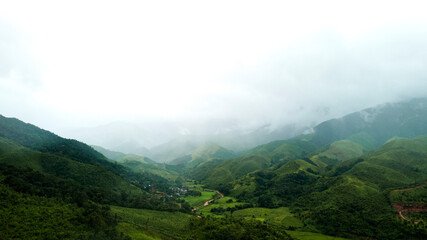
(147, 63)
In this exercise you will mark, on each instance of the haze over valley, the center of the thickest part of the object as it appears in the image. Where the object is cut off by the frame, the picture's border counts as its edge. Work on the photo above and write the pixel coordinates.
(213, 120)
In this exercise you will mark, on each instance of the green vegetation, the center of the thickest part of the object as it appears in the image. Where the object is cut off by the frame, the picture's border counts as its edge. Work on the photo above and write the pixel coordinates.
(177, 148)
(232, 169)
(197, 201)
(342, 150)
(344, 208)
(26, 216)
(137, 233)
(44, 141)
(296, 166)
(416, 194)
(222, 207)
(113, 155)
(348, 200)
(270, 188)
(86, 174)
(419, 218)
(139, 164)
(159, 224)
(205, 153)
(349, 178)
(234, 228)
(135, 158)
(148, 168)
(398, 163)
(148, 224)
(311, 236)
(278, 216)
(363, 139)
(372, 127)
(218, 174)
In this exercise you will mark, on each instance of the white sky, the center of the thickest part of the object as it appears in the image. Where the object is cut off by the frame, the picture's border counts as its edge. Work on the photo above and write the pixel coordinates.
(91, 62)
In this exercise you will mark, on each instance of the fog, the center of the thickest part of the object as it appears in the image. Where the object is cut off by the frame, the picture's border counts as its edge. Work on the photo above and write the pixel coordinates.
(206, 68)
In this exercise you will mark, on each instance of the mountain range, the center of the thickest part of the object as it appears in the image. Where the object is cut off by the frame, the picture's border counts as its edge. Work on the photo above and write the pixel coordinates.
(166, 141)
(361, 176)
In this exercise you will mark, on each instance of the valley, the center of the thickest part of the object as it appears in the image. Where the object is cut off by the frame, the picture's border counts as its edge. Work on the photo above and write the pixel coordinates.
(358, 177)
(213, 120)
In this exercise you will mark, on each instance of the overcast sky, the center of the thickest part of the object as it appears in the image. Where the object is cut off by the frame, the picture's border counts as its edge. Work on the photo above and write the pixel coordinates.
(70, 64)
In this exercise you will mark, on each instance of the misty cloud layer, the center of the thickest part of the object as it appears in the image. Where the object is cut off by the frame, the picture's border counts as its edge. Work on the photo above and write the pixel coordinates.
(328, 76)
(246, 64)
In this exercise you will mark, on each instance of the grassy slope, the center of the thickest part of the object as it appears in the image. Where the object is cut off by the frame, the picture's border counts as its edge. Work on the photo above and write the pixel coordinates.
(232, 169)
(258, 158)
(113, 155)
(147, 224)
(311, 236)
(132, 157)
(346, 138)
(398, 163)
(279, 216)
(208, 152)
(156, 224)
(197, 201)
(274, 177)
(343, 150)
(295, 166)
(138, 163)
(286, 149)
(346, 207)
(357, 201)
(157, 169)
(350, 199)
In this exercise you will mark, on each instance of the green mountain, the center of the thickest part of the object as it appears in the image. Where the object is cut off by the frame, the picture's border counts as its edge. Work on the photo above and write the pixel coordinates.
(69, 182)
(139, 164)
(227, 171)
(159, 169)
(135, 158)
(355, 198)
(331, 141)
(349, 200)
(113, 155)
(63, 167)
(44, 141)
(49, 195)
(258, 158)
(359, 177)
(173, 149)
(372, 127)
(400, 162)
(206, 152)
(369, 129)
(346, 165)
